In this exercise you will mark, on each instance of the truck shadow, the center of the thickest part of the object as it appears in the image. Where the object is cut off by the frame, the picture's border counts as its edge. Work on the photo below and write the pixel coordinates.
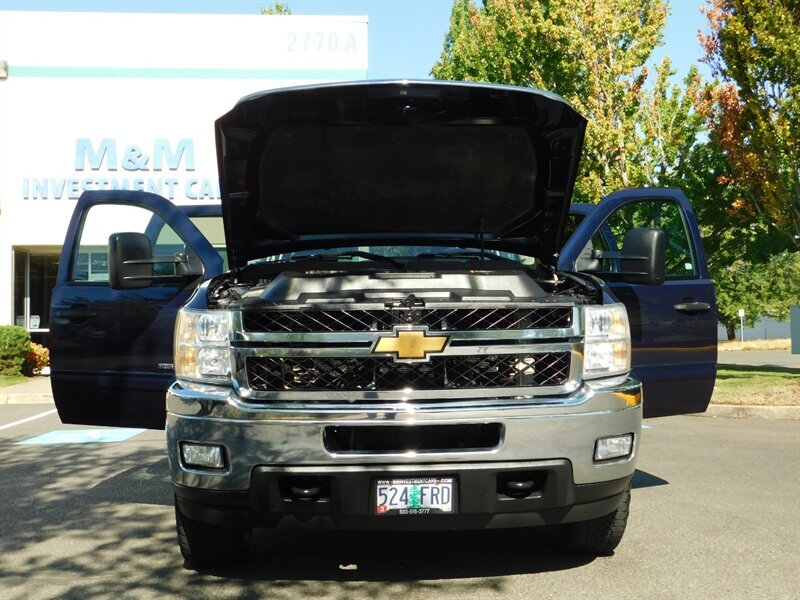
(98, 522)
(305, 555)
(643, 479)
(296, 554)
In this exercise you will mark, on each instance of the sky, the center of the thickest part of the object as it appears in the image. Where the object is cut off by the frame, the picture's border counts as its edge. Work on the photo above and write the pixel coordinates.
(405, 36)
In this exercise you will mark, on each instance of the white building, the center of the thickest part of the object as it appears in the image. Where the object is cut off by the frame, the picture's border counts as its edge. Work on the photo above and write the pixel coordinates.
(128, 101)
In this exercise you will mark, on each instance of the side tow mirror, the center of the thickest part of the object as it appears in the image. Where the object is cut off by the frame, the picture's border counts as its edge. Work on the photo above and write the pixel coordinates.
(130, 261)
(644, 255)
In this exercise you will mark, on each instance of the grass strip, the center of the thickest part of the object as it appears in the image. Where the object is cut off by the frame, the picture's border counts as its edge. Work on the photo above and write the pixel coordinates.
(759, 386)
(773, 344)
(6, 380)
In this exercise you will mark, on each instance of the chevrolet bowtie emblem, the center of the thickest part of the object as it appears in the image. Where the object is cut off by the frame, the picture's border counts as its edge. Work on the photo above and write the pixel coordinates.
(411, 344)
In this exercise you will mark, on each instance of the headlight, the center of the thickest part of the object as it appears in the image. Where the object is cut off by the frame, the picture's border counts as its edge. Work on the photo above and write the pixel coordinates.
(607, 347)
(202, 351)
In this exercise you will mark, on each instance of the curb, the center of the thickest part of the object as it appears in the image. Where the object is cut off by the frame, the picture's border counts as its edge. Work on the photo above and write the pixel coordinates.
(739, 411)
(26, 398)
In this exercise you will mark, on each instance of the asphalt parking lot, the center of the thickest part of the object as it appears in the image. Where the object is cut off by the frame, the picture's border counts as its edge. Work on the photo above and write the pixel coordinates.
(715, 514)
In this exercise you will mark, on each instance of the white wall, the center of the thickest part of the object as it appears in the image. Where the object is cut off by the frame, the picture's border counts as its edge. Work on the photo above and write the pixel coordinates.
(103, 100)
(764, 329)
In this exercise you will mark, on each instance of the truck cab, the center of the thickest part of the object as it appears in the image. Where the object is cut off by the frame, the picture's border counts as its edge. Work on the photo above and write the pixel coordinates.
(402, 322)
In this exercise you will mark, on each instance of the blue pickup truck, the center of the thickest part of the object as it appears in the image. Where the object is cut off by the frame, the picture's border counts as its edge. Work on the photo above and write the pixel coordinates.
(396, 319)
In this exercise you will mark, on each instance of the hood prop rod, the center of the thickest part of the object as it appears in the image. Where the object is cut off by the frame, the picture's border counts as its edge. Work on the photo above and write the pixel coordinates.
(483, 249)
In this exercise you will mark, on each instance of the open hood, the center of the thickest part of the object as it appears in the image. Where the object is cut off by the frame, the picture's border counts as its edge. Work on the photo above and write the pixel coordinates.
(397, 162)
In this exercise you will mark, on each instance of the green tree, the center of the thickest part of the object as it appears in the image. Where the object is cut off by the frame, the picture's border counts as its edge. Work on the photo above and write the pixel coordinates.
(278, 8)
(749, 199)
(754, 106)
(748, 261)
(668, 129)
(643, 130)
(594, 55)
(762, 290)
(738, 243)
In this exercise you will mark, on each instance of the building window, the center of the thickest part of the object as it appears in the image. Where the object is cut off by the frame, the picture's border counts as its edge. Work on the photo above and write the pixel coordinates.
(34, 280)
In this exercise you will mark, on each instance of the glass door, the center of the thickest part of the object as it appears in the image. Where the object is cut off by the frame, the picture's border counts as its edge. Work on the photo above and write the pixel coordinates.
(34, 280)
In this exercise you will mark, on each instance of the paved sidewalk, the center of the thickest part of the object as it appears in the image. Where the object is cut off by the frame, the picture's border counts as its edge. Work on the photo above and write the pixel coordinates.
(34, 391)
(741, 411)
(759, 358)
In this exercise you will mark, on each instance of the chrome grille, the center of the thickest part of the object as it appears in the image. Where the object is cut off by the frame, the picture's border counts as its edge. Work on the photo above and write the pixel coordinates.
(437, 319)
(273, 374)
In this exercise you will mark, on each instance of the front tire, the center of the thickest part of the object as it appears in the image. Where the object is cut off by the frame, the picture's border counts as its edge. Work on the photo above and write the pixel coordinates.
(208, 544)
(597, 537)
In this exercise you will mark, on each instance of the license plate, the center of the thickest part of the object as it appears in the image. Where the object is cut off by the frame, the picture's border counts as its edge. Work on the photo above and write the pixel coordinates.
(417, 496)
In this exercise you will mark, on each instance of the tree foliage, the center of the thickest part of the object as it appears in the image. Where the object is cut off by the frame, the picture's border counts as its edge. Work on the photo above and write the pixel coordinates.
(762, 289)
(644, 130)
(594, 55)
(750, 199)
(14, 347)
(737, 247)
(748, 261)
(753, 107)
(277, 8)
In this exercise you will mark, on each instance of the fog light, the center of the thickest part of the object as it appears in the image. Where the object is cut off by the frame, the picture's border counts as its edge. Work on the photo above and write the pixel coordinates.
(617, 446)
(206, 456)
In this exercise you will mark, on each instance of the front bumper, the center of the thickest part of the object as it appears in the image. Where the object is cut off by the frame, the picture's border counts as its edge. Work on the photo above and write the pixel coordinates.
(268, 447)
(346, 500)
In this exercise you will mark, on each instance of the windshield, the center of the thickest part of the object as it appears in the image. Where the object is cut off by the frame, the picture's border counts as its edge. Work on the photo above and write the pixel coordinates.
(398, 253)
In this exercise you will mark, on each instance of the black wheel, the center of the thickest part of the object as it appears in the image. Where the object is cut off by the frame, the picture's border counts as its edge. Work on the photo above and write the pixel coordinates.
(207, 544)
(599, 536)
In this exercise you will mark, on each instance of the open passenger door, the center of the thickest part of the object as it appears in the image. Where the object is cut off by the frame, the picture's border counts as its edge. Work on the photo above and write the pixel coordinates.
(130, 260)
(673, 323)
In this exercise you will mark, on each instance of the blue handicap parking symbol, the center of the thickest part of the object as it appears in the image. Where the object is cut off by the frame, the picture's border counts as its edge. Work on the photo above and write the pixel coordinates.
(83, 436)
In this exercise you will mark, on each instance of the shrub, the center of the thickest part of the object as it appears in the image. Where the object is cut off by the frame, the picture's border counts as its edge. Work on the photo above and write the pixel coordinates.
(38, 358)
(14, 347)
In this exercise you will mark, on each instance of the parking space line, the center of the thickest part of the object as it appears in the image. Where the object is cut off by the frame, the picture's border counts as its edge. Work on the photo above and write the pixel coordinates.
(25, 420)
